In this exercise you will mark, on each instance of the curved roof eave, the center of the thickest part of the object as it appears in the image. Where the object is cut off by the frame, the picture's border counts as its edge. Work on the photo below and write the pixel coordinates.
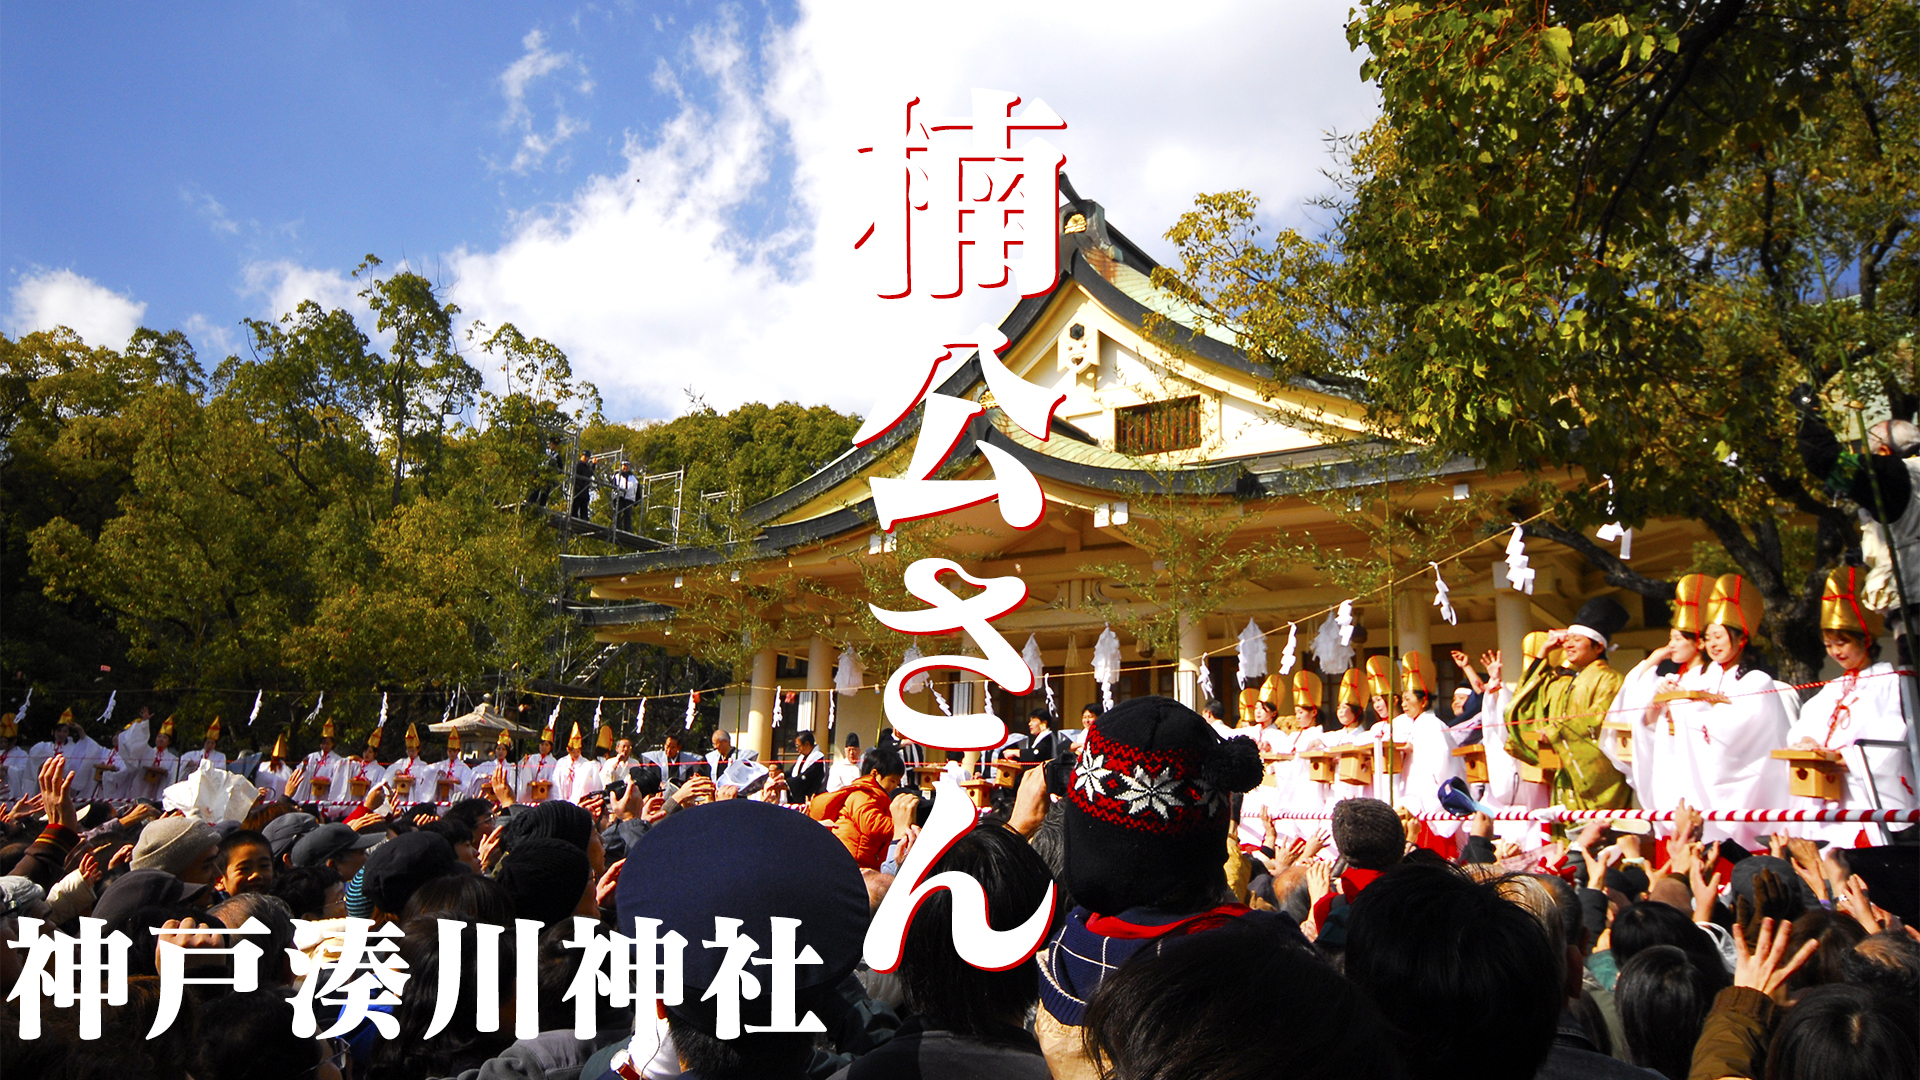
(1233, 478)
(1075, 269)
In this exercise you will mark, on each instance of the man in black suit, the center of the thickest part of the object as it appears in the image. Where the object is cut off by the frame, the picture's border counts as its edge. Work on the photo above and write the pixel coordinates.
(582, 485)
(1042, 737)
(808, 777)
(910, 752)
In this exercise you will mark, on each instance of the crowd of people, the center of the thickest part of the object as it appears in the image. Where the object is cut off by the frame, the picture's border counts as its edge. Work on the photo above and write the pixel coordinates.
(1176, 950)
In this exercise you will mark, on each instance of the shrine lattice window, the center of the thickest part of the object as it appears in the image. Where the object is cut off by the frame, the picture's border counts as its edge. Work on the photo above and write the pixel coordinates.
(1158, 427)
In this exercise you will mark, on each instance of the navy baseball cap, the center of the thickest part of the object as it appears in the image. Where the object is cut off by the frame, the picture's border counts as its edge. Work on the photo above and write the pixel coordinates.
(753, 861)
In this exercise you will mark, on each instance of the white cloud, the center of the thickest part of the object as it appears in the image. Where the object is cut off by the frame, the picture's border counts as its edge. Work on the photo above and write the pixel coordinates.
(646, 281)
(281, 284)
(210, 210)
(49, 298)
(533, 65)
(213, 342)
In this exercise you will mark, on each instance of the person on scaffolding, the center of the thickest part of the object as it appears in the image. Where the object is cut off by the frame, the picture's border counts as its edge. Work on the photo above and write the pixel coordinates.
(555, 465)
(1882, 483)
(582, 485)
(626, 492)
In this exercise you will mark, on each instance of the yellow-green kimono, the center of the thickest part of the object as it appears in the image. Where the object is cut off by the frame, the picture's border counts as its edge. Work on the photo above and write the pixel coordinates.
(1569, 710)
(1542, 693)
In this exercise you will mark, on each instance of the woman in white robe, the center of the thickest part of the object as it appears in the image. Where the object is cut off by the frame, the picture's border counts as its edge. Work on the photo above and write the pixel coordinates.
(1655, 754)
(1862, 703)
(16, 764)
(274, 774)
(1729, 731)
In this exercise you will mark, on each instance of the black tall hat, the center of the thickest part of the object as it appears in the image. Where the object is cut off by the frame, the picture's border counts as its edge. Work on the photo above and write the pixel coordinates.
(1600, 618)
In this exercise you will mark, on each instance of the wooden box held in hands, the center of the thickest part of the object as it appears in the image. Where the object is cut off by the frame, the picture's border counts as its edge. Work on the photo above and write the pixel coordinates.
(1394, 757)
(357, 786)
(1356, 764)
(1474, 759)
(443, 789)
(538, 790)
(1622, 735)
(402, 787)
(320, 785)
(1818, 774)
(1320, 766)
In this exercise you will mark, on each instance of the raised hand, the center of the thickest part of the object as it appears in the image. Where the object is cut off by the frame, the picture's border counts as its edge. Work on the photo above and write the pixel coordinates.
(1806, 863)
(490, 851)
(1687, 823)
(608, 884)
(1314, 843)
(91, 870)
(904, 807)
(1761, 967)
(368, 822)
(196, 938)
(55, 799)
(1705, 892)
(1029, 803)
(1772, 899)
(1855, 902)
(698, 790)
(1589, 835)
(1491, 661)
(1319, 881)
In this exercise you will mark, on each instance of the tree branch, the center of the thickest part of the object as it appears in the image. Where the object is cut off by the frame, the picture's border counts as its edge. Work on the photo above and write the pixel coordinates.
(1618, 573)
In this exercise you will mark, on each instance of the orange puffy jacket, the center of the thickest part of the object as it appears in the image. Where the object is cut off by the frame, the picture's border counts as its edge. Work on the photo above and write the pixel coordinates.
(865, 823)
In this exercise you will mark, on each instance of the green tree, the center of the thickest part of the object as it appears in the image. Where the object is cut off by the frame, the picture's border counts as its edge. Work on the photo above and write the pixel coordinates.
(423, 379)
(67, 453)
(1611, 237)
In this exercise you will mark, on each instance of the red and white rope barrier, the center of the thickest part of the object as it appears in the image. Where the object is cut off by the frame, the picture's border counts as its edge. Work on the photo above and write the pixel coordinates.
(1551, 814)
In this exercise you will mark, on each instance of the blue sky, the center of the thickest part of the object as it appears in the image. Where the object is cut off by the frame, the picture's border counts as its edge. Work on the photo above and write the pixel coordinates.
(649, 185)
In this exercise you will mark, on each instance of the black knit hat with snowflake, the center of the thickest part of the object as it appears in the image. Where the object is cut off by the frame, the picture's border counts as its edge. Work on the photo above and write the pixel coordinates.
(1149, 805)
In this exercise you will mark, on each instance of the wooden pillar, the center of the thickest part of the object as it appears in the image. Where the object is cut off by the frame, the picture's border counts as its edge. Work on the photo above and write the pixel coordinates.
(1411, 623)
(759, 734)
(1193, 648)
(1078, 687)
(1513, 618)
(821, 658)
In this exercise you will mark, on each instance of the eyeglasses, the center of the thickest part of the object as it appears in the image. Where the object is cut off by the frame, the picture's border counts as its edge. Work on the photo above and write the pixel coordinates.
(339, 1055)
